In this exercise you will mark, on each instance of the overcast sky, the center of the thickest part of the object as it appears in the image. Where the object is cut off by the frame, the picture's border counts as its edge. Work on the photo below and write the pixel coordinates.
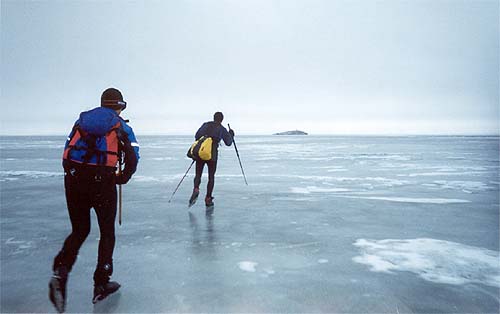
(326, 67)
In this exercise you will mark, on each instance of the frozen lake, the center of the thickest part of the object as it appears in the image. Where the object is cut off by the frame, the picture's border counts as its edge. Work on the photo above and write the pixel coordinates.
(327, 224)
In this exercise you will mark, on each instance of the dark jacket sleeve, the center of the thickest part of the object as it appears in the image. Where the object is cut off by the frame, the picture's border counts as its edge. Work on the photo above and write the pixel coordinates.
(130, 149)
(201, 131)
(226, 137)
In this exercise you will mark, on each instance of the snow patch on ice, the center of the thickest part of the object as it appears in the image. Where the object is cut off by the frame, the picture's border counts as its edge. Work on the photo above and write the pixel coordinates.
(337, 170)
(296, 199)
(379, 156)
(268, 158)
(139, 178)
(411, 199)
(322, 261)
(380, 180)
(331, 168)
(247, 266)
(441, 173)
(12, 241)
(163, 158)
(31, 174)
(8, 179)
(461, 168)
(433, 260)
(19, 246)
(465, 186)
(315, 189)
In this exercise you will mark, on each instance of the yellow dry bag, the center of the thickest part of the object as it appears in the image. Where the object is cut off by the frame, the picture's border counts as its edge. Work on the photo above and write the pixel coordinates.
(202, 149)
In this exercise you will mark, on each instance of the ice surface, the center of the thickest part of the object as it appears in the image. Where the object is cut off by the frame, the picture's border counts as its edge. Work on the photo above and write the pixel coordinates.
(326, 225)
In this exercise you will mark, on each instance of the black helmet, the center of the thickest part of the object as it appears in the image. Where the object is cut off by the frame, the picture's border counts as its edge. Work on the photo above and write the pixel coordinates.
(112, 98)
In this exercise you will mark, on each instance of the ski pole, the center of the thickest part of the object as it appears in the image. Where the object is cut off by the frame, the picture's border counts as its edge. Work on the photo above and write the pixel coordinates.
(238, 154)
(120, 160)
(178, 185)
(120, 191)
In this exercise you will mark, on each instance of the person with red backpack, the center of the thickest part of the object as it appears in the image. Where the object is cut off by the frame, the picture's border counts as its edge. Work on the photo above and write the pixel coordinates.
(96, 144)
(217, 132)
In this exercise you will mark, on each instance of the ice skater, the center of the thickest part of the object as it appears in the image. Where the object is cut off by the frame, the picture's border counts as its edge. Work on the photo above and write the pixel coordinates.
(215, 130)
(98, 140)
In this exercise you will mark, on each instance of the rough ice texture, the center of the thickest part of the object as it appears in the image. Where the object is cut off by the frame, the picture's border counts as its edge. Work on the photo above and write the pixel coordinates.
(433, 260)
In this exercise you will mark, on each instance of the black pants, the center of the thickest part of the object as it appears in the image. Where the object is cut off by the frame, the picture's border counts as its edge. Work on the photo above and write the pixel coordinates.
(84, 190)
(212, 167)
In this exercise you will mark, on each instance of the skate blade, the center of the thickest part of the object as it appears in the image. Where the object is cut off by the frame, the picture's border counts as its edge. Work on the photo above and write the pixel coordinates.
(98, 298)
(191, 203)
(55, 295)
(103, 296)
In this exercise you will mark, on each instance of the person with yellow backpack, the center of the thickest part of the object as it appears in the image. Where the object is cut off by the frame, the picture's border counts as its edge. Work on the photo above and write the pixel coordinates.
(205, 151)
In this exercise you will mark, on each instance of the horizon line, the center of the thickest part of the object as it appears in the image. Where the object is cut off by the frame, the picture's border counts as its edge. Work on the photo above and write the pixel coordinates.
(309, 134)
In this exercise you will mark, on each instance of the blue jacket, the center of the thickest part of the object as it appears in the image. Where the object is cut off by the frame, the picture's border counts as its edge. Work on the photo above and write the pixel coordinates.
(216, 131)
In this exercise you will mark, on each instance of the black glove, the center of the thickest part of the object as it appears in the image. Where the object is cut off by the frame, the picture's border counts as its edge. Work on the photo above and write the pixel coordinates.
(121, 179)
(231, 132)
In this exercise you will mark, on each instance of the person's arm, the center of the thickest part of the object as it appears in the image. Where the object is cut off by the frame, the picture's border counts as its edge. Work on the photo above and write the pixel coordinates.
(201, 131)
(131, 149)
(68, 140)
(227, 137)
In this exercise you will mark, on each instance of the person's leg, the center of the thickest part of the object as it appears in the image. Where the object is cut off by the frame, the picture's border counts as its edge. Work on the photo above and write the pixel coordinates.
(199, 171)
(212, 168)
(197, 180)
(105, 208)
(78, 204)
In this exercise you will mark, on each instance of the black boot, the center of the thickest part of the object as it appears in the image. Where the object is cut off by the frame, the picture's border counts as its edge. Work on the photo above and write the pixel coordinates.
(57, 288)
(101, 291)
(209, 201)
(194, 196)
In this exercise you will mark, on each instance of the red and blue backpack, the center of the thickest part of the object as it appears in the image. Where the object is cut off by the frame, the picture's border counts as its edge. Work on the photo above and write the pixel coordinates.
(95, 138)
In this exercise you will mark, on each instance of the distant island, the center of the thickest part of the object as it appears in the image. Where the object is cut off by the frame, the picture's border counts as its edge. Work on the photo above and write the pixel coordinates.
(296, 132)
